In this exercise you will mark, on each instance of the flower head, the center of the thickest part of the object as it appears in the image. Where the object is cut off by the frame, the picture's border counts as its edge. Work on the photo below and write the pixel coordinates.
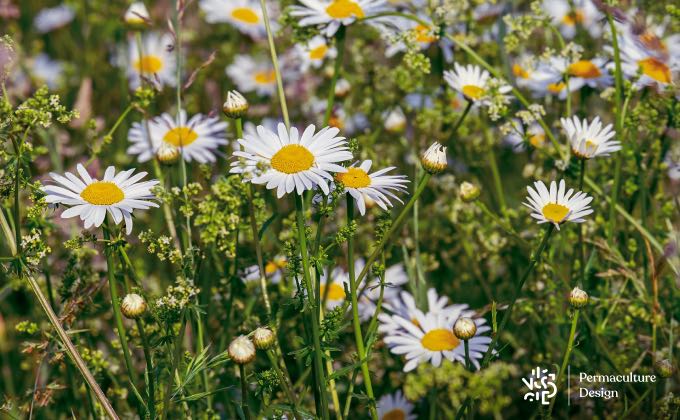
(590, 140)
(578, 298)
(91, 199)
(137, 16)
(472, 82)
(556, 205)
(244, 15)
(133, 306)
(236, 105)
(330, 14)
(241, 350)
(156, 62)
(292, 161)
(251, 75)
(395, 406)
(434, 158)
(263, 338)
(377, 186)
(464, 328)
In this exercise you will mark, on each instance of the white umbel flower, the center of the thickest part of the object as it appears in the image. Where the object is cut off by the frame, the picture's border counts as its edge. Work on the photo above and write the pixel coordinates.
(198, 137)
(244, 15)
(330, 14)
(90, 199)
(157, 63)
(590, 140)
(293, 161)
(395, 406)
(556, 205)
(472, 82)
(376, 186)
(431, 339)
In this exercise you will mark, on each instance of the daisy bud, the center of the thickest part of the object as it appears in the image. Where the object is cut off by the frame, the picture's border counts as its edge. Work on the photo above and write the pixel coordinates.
(263, 338)
(133, 306)
(168, 154)
(342, 88)
(395, 121)
(578, 298)
(241, 350)
(137, 16)
(664, 368)
(464, 328)
(434, 159)
(468, 192)
(235, 106)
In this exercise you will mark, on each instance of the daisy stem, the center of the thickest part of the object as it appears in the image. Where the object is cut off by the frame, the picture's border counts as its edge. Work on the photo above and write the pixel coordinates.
(115, 303)
(455, 128)
(8, 233)
(313, 308)
(71, 349)
(358, 336)
(567, 353)
(275, 63)
(498, 185)
(618, 79)
(393, 229)
(581, 228)
(244, 391)
(340, 46)
(535, 257)
(149, 369)
(284, 381)
(468, 366)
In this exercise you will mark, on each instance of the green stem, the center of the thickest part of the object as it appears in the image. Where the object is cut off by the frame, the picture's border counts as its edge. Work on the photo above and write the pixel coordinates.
(581, 229)
(498, 185)
(454, 130)
(313, 308)
(358, 337)
(618, 77)
(340, 46)
(118, 318)
(17, 203)
(275, 63)
(149, 370)
(244, 391)
(283, 381)
(567, 353)
(176, 354)
(8, 233)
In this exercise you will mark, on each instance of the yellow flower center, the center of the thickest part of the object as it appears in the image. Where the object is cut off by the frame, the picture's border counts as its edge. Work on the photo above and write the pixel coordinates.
(555, 212)
(537, 140)
(102, 193)
(585, 69)
(424, 34)
(335, 121)
(396, 414)
(318, 53)
(439, 339)
(292, 159)
(180, 136)
(343, 9)
(245, 15)
(556, 87)
(572, 19)
(335, 291)
(149, 64)
(473, 92)
(655, 69)
(265, 77)
(273, 266)
(518, 71)
(354, 178)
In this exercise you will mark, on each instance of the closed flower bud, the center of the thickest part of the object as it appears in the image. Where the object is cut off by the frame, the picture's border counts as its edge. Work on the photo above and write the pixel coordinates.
(395, 121)
(342, 88)
(578, 298)
(241, 350)
(235, 106)
(664, 368)
(434, 159)
(464, 328)
(468, 192)
(168, 154)
(133, 306)
(263, 338)
(137, 16)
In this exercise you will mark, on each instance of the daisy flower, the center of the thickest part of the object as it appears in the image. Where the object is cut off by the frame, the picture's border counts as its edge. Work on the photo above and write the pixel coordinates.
(90, 199)
(198, 137)
(156, 62)
(472, 82)
(252, 76)
(395, 406)
(592, 73)
(432, 340)
(557, 206)
(330, 14)
(244, 15)
(652, 36)
(48, 71)
(404, 306)
(314, 52)
(395, 276)
(590, 140)
(332, 289)
(518, 137)
(583, 13)
(273, 271)
(377, 186)
(137, 15)
(653, 68)
(292, 161)
(395, 120)
(53, 18)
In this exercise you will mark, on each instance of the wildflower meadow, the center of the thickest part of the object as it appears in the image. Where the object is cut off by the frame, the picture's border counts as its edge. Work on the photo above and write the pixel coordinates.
(339, 209)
